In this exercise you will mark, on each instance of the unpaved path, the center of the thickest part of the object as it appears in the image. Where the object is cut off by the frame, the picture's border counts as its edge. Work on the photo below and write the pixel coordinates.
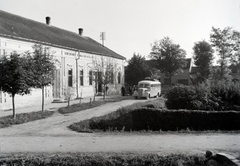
(52, 135)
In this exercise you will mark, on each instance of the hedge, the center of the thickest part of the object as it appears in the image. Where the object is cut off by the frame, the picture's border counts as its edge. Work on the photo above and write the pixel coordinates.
(162, 120)
(152, 119)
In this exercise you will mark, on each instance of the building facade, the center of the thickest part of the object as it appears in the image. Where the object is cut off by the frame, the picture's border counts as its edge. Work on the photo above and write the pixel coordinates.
(80, 60)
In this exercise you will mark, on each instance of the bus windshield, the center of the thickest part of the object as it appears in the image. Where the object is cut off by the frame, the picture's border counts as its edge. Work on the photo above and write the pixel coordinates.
(144, 85)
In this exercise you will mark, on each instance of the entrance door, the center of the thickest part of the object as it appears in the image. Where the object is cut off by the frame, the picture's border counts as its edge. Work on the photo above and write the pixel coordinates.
(99, 81)
(56, 84)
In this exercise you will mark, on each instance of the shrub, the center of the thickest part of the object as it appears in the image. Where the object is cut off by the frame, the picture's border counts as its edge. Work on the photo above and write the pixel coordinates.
(228, 93)
(182, 97)
(206, 96)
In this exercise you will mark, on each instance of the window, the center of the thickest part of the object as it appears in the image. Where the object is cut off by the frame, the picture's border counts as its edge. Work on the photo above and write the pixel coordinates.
(90, 77)
(81, 77)
(119, 78)
(70, 77)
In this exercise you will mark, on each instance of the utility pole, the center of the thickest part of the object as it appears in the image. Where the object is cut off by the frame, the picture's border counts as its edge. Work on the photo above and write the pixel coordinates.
(102, 37)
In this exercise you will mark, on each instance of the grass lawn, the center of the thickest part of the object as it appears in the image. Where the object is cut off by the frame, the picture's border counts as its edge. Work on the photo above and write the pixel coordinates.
(7, 121)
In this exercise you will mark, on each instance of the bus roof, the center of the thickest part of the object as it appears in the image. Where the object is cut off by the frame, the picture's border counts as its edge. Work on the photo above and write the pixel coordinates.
(149, 82)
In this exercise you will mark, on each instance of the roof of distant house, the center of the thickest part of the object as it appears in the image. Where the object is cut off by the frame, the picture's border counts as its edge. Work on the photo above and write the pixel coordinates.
(17, 27)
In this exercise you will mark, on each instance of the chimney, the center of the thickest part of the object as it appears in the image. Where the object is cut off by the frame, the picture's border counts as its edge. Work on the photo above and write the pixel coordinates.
(48, 20)
(80, 31)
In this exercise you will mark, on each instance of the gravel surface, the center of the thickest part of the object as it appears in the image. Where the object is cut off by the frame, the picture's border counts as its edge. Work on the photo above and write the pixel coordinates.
(52, 135)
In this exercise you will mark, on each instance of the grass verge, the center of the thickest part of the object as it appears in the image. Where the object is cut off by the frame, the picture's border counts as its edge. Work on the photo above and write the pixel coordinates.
(101, 159)
(7, 121)
(83, 106)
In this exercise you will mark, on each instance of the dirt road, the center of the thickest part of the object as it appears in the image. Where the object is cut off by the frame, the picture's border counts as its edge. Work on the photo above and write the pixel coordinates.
(52, 135)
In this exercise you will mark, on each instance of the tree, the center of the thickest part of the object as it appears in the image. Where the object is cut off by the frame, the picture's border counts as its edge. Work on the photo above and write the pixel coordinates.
(227, 45)
(136, 70)
(169, 56)
(235, 59)
(14, 76)
(104, 68)
(42, 66)
(203, 58)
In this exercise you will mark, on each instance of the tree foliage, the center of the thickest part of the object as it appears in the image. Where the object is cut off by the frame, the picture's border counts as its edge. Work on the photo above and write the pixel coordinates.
(105, 72)
(203, 58)
(14, 76)
(136, 70)
(42, 66)
(227, 45)
(169, 56)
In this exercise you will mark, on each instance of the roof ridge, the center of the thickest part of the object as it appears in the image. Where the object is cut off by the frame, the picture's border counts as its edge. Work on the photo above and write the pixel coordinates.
(25, 28)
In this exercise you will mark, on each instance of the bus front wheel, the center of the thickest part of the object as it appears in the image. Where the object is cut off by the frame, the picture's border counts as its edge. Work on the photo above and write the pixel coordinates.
(148, 97)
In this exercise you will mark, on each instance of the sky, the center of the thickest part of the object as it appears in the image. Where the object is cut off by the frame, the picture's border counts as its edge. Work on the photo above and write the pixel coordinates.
(131, 26)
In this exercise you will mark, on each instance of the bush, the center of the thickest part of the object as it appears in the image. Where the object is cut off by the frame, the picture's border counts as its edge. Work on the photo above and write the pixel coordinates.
(228, 93)
(182, 97)
(206, 96)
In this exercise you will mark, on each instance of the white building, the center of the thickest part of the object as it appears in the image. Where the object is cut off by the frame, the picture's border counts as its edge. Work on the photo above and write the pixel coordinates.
(77, 56)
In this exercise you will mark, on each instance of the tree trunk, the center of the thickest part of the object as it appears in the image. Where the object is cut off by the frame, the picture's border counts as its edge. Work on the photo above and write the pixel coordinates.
(13, 106)
(69, 101)
(104, 92)
(170, 80)
(43, 98)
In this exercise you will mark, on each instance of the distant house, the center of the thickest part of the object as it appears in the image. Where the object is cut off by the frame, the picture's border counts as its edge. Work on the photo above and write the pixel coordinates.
(75, 53)
(182, 77)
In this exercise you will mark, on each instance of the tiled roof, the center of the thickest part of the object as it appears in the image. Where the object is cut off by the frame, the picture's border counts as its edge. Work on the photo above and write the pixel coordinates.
(13, 26)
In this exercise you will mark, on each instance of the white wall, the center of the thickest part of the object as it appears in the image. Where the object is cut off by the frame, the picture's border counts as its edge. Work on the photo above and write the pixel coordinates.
(66, 59)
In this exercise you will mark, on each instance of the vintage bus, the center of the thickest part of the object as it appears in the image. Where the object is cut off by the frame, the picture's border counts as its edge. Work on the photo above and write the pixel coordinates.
(148, 88)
